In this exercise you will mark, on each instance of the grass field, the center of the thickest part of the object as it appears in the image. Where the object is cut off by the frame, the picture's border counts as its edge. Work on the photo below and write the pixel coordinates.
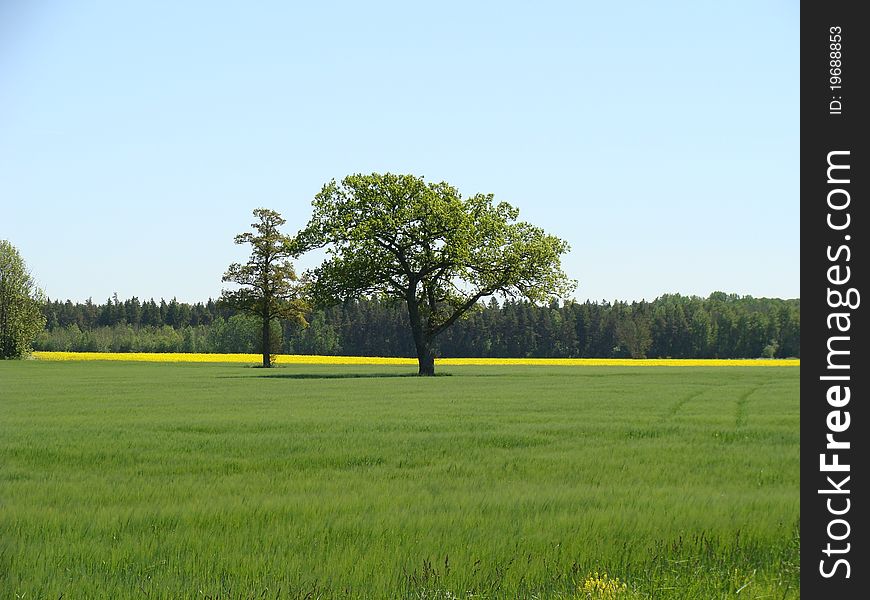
(125, 479)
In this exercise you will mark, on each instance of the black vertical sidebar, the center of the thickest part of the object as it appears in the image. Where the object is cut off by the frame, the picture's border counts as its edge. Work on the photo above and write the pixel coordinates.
(834, 368)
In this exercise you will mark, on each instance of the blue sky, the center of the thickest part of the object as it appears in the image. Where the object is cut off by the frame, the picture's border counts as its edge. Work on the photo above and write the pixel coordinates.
(660, 139)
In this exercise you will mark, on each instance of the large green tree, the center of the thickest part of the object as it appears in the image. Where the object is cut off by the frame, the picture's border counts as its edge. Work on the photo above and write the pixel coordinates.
(21, 317)
(427, 246)
(268, 284)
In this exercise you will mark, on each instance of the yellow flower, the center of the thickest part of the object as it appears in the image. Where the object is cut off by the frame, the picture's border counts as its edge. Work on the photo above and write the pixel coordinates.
(299, 359)
(602, 587)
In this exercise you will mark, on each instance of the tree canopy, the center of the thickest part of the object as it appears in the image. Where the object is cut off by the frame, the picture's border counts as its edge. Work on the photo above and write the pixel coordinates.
(424, 244)
(720, 326)
(21, 317)
(268, 282)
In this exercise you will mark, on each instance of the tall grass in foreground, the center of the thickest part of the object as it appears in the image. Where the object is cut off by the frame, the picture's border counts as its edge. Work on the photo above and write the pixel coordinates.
(207, 480)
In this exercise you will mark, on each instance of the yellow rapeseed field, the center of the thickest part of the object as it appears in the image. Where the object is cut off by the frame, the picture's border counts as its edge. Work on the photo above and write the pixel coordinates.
(298, 359)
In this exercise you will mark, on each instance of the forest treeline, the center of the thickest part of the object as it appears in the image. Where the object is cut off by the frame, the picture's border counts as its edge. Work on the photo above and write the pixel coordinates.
(675, 326)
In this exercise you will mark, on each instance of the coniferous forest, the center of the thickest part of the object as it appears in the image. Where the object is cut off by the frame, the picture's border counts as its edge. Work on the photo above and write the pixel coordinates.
(671, 326)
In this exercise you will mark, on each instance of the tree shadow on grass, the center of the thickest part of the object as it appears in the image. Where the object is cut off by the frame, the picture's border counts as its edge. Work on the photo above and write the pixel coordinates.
(331, 375)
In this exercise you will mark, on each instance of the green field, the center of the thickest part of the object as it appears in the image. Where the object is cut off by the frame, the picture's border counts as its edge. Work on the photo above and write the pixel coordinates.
(123, 480)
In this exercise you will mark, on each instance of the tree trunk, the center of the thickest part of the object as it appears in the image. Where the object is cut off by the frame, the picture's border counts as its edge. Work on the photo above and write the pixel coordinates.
(422, 342)
(426, 360)
(267, 343)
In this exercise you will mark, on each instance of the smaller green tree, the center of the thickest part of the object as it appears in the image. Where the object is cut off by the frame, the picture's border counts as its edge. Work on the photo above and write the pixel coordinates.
(269, 286)
(21, 317)
(632, 332)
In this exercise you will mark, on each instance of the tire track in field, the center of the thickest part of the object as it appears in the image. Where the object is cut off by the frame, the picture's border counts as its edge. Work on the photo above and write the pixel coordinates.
(742, 401)
(680, 403)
